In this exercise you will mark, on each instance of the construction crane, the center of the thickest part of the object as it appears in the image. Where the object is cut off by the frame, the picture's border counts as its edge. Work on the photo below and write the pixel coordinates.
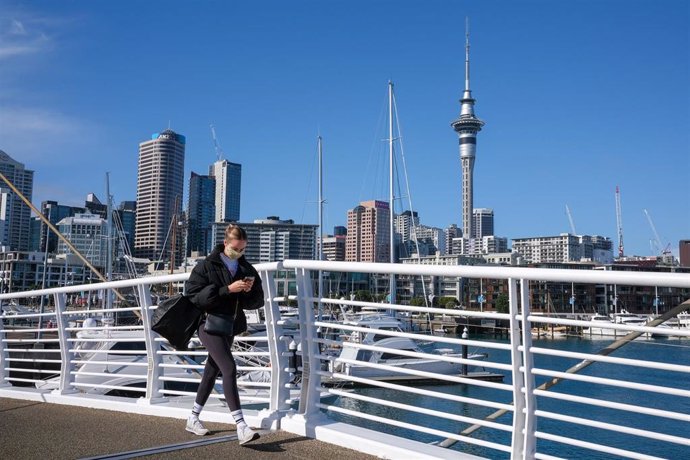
(219, 151)
(660, 249)
(619, 222)
(570, 219)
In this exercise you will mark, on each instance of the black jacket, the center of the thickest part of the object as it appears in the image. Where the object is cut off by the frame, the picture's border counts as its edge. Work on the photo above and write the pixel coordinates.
(208, 283)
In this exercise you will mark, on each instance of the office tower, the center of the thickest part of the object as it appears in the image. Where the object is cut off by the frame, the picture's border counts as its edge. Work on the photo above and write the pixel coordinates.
(467, 127)
(15, 215)
(160, 183)
(201, 212)
(451, 232)
(483, 222)
(684, 253)
(93, 205)
(339, 230)
(228, 185)
(54, 212)
(334, 247)
(368, 232)
(405, 224)
(124, 219)
(87, 232)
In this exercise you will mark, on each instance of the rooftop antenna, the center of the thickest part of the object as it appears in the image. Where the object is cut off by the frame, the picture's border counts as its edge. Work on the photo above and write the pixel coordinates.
(219, 151)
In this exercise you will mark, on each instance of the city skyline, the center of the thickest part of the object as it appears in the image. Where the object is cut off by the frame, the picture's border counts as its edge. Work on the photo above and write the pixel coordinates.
(577, 99)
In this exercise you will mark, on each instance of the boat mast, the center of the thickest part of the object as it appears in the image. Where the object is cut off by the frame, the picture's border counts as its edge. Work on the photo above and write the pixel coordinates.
(109, 240)
(391, 196)
(320, 151)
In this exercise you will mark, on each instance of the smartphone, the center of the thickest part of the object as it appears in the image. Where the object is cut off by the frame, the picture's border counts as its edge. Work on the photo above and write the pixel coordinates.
(248, 278)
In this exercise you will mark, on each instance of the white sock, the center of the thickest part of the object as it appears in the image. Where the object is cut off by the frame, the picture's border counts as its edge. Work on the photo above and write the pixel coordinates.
(239, 418)
(196, 410)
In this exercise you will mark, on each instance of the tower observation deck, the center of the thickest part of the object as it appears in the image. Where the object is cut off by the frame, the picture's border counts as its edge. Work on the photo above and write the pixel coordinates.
(467, 126)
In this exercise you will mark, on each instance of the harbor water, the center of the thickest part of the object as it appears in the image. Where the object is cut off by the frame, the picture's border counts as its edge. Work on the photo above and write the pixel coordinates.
(672, 351)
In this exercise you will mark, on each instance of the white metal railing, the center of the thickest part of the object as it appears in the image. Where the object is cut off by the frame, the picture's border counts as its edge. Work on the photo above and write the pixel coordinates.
(518, 416)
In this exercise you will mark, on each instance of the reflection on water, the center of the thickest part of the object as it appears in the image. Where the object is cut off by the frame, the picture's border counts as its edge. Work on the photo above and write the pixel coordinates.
(674, 352)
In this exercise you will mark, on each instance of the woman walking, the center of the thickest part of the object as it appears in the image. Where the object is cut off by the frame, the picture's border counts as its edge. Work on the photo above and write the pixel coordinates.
(223, 285)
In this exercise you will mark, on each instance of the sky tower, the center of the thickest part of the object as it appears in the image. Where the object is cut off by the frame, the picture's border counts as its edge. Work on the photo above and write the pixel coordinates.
(467, 127)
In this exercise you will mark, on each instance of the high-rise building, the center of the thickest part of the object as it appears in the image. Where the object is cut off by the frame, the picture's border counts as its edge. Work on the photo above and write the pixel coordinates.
(15, 215)
(483, 222)
(54, 212)
(228, 186)
(368, 232)
(273, 239)
(126, 218)
(160, 183)
(201, 213)
(684, 253)
(87, 232)
(467, 127)
(334, 247)
(450, 233)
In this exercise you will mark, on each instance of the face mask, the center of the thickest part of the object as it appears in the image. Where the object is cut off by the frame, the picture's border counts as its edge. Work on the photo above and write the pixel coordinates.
(233, 253)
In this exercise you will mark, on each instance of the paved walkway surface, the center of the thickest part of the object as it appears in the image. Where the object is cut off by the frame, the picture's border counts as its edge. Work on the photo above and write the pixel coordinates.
(33, 430)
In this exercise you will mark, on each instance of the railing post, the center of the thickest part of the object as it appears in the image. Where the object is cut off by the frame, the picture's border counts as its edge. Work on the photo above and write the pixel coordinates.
(153, 382)
(280, 385)
(527, 440)
(311, 380)
(518, 377)
(66, 356)
(4, 355)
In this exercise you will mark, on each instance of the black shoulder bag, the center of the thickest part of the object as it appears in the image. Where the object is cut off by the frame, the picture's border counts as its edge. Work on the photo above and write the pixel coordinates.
(176, 319)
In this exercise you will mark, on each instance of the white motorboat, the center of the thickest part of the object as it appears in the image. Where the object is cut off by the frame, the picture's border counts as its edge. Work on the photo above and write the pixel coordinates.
(599, 327)
(396, 357)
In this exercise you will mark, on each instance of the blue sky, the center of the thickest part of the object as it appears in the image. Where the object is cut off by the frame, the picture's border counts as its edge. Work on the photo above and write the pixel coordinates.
(577, 96)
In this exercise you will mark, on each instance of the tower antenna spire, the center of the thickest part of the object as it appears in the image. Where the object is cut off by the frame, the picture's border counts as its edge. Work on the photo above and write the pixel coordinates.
(467, 53)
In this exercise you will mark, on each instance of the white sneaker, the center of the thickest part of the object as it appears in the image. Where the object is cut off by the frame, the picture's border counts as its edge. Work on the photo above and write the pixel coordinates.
(195, 426)
(246, 434)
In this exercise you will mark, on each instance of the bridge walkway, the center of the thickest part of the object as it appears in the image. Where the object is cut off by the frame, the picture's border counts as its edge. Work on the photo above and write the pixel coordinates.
(31, 430)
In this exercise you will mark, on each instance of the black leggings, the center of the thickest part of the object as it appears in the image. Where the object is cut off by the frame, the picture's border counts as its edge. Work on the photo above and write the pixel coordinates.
(219, 360)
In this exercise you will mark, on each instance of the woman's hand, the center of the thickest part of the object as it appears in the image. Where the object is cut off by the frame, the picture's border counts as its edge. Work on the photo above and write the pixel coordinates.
(244, 285)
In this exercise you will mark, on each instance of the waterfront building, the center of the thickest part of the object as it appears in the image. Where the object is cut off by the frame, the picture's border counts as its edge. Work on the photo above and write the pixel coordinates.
(368, 232)
(54, 212)
(564, 248)
(467, 126)
(15, 215)
(483, 222)
(88, 234)
(411, 286)
(160, 180)
(201, 212)
(228, 177)
(273, 240)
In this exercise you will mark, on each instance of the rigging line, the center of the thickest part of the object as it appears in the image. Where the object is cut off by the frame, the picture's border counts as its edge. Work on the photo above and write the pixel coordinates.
(409, 197)
(374, 151)
(309, 184)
